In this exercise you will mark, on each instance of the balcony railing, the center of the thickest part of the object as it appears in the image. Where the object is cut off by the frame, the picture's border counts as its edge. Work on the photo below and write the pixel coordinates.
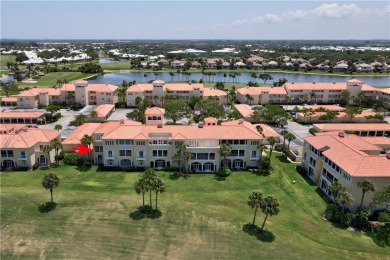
(22, 158)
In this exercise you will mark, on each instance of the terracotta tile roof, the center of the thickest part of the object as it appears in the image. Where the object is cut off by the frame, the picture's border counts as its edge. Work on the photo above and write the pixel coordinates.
(376, 140)
(347, 153)
(315, 86)
(155, 111)
(182, 86)
(158, 81)
(193, 132)
(260, 90)
(21, 114)
(140, 87)
(340, 115)
(9, 99)
(27, 138)
(244, 109)
(213, 92)
(107, 127)
(35, 92)
(268, 131)
(210, 120)
(80, 81)
(353, 127)
(6, 128)
(68, 87)
(104, 110)
(78, 134)
(102, 87)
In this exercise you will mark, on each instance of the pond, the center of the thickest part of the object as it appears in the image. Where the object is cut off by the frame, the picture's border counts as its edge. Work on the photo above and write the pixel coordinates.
(116, 78)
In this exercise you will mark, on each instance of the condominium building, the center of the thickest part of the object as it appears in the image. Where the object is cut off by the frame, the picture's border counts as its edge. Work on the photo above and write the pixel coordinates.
(25, 147)
(157, 91)
(381, 129)
(79, 91)
(124, 144)
(347, 159)
(313, 92)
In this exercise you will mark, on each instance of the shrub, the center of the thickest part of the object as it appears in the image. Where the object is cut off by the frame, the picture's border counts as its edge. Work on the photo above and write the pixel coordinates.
(120, 104)
(76, 106)
(111, 168)
(22, 168)
(35, 166)
(332, 213)
(360, 220)
(312, 131)
(279, 147)
(135, 169)
(73, 159)
(384, 216)
(223, 173)
(87, 164)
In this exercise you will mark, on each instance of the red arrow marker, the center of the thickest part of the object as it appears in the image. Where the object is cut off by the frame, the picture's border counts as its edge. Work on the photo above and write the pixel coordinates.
(81, 149)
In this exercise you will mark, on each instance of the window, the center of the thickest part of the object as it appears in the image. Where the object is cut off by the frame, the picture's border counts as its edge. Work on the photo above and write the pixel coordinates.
(160, 153)
(140, 142)
(124, 142)
(98, 137)
(110, 154)
(255, 142)
(141, 154)
(346, 176)
(22, 154)
(254, 154)
(160, 141)
(7, 153)
(98, 148)
(124, 152)
(109, 142)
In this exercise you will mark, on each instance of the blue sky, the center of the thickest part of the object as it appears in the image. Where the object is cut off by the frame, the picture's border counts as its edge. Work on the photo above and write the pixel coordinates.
(195, 19)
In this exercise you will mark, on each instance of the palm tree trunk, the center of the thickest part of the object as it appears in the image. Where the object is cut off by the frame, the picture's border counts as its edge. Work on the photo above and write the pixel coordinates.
(254, 217)
(361, 202)
(265, 219)
(143, 199)
(51, 195)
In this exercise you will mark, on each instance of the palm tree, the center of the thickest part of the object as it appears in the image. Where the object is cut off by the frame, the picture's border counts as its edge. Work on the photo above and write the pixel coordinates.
(86, 140)
(150, 177)
(249, 98)
(145, 76)
(265, 77)
(255, 202)
(224, 77)
(159, 187)
(290, 137)
(225, 149)
(56, 144)
(59, 82)
(366, 186)
(335, 188)
(49, 182)
(284, 134)
(156, 74)
(344, 199)
(122, 95)
(58, 127)
(269, 206)
(93, 115)
(272, 141)
(47, 149)
(178, 157)
(172, 75)
(140, 188)
(155, 99)
(254, 76)
(261, 148)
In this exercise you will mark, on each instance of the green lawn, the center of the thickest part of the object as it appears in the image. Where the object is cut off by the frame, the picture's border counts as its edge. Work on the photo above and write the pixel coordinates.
(50, 79)
(202, 218)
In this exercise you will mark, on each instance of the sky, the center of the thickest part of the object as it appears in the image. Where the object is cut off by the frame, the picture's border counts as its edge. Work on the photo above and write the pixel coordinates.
(257, 20)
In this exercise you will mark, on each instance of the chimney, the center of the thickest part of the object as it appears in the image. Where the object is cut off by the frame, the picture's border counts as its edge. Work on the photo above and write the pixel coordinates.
(292, 82)
(160, 125)
(314, 83)
(334, 82)
(341, 134)
(200, 125)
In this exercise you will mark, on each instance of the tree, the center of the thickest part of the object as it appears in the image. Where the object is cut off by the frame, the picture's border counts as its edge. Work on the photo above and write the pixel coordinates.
(47, 149)
(329, 115)
(265, 77)
(254, 201)
(56, 145)
(269, 206)
(49, 182)
(172, 75)
(20, 57)
(9, 88)
(141, 188)
(150, 177)
(86, 140)
(313, 95)
(249, 98)
(210, 107)
(181, 155)
(344, 98)
(366, 187)
(176, 110)
(344, 199)
(158, 187)
(382, 197)
(58, 127)
(290, 137)
(225, 149)
(261, 148)
(272, 141)
(284, 134)
(351, 112)
(93, 115)
(91, 68)
(335, 188)
(308, 112)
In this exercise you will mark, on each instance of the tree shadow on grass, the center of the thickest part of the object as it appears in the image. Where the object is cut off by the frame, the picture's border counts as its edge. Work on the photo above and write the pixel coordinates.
(83, 168)
(145, 212)
(47, 207)
(283, 159)
(219, 178)
(177, 175)
(264, 236)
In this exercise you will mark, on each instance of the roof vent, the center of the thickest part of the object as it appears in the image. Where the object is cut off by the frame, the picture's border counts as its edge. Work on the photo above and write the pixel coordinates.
(122, 121)
(160, 125)
(314, 83)
(292, 82)
(334, 82)
(200, 125)
(341, 134)
(241, 121)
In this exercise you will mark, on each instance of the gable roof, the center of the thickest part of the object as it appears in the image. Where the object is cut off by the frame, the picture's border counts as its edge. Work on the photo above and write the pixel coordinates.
(27, 138)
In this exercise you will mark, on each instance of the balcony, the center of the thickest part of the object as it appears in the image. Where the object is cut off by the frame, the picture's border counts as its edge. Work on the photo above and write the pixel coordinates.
(22, 158)
(109, 157)
(140, 158)
(254, 157)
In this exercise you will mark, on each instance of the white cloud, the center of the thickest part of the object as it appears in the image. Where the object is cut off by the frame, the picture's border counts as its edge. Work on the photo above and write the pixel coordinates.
(327, 11)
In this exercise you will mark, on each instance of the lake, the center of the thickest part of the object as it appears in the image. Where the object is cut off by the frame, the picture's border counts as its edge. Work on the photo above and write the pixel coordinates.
(116, 78)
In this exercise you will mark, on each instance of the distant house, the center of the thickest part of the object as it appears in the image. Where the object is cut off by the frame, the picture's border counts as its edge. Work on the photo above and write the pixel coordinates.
(211, 64)
(196, 64)
(272, 65)
(163, 62)
(341, 66)
(103, 112)
(177, 64)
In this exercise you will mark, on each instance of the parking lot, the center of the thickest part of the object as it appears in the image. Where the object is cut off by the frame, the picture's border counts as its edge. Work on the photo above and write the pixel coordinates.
(119, 114)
